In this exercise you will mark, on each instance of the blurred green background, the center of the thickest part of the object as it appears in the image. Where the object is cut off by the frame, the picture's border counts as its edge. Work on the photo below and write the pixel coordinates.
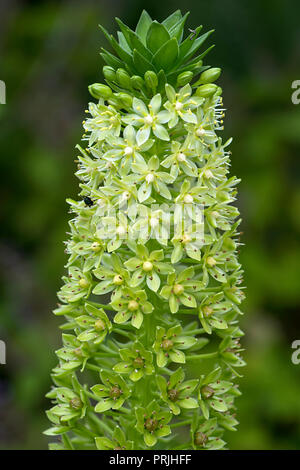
(49, 54)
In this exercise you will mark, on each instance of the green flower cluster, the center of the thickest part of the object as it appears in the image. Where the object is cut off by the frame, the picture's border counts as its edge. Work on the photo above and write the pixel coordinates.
(153, 275)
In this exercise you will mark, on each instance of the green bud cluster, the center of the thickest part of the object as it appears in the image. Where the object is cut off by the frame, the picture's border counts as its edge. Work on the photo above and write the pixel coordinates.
(151, 337)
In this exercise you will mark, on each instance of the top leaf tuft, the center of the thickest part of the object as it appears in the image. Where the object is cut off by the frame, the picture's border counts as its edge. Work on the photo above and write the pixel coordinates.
(155, 46)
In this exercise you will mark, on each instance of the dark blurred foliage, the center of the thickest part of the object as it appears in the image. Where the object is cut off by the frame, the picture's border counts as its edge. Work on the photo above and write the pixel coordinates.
(49, 54)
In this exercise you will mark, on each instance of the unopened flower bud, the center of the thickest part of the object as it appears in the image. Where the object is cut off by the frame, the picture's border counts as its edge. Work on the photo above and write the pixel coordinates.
(109, 73)
(123, 79)
(210, 75)
(137, 82)
(124, 99)
(184, 78)
(206, 90)
(98, 90)
(233, 294)
(151, 80)
(229, 244)
(222, 196)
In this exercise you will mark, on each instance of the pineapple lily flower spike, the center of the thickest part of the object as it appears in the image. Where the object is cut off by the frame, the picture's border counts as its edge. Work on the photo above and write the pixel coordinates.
(152, 297)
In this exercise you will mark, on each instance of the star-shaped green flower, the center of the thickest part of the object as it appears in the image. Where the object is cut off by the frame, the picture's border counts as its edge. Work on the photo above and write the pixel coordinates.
(122, 195)
(132, 305)
(179, 289)
(192, 197)
(73, 355)
(177, 393)
(115, 229)
(78, 285)
(104, 121)
(179, 160)
(84, 246)
(189, 241)
(181, 104)
(169, 345)
(127, 149)
(149, 178)
(71, 404)
(202, 134)
(212, 260)
(215, 394)
(152, 422)
(117, 442)
(147, 266)
(137, 362)
(95, 325)
(212, 311)
(152, 223)
(112, 393)
(112, 275)
(205, 435)
(148, 118)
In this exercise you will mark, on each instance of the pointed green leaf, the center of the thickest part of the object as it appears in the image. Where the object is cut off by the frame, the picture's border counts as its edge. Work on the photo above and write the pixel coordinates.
(157, 36)
(111, 59)
(186, 45)
(166, 55)
(123, 42)
(133, 40)
(141, 63)
(172, 19)
(196, 45)
(177, 30)
(143, 26)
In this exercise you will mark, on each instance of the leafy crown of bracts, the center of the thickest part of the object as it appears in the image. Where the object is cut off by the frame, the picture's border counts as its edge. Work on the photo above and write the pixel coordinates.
(157, 47)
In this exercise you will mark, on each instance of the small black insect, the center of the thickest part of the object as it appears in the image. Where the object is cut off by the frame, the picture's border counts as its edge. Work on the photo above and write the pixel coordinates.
(88, 201)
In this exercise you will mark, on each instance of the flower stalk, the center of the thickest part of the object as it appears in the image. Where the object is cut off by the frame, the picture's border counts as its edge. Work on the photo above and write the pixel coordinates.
(153, 287)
